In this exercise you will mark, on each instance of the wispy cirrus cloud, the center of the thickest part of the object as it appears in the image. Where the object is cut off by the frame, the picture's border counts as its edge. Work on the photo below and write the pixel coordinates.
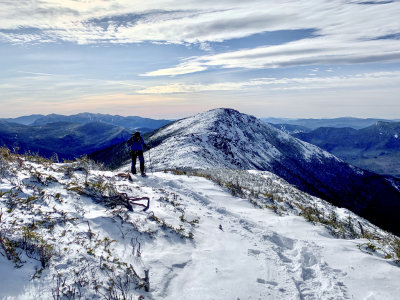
(100, 47)
(193, 21)
(183, 68)
(36, 73)
(365, 80)
(344, 31)
(320, 50)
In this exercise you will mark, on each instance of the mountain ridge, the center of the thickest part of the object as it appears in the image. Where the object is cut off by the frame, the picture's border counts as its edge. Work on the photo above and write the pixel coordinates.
(66, 136)
(341, 122)
(67, 140)
(24, 120)
(129, 123)
(376, 147)
(227, 138)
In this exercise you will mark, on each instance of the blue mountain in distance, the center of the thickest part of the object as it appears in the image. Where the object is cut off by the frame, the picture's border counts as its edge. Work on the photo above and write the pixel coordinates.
(67, 140)
(356, 123)
(71, 136)
(130, 123)
(24, 120)
(375, 148)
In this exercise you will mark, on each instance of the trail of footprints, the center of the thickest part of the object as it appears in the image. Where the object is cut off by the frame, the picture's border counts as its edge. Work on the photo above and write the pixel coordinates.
(300, 272)
(300, 264)
(312, 277)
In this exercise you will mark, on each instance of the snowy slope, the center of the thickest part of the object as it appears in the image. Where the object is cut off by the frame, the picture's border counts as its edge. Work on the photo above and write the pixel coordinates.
(260, 255)
(225, 138)
(197, 240)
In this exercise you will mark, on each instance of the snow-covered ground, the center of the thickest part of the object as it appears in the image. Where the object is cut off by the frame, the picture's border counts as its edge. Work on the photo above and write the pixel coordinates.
(227, 138)
(240, 252)
(197, 241)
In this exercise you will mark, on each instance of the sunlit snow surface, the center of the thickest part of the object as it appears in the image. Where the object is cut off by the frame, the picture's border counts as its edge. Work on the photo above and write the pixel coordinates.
(238, 251)
(227, 138)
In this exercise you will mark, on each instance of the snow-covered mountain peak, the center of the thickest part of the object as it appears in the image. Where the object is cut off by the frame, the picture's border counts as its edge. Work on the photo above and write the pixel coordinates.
(206, 121)
(225, 138)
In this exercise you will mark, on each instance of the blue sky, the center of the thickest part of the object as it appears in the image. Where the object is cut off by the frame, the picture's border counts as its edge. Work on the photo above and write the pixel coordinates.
(170, 59)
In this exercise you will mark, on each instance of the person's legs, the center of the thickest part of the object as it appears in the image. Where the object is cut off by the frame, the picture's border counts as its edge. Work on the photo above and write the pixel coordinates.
(141, 160)
(133, 166)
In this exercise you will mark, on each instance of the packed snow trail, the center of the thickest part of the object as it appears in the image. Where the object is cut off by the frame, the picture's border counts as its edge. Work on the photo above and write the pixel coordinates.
(241, 252)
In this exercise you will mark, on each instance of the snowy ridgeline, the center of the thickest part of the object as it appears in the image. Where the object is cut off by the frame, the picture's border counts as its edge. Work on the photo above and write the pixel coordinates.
(66, 232)
(227, 138)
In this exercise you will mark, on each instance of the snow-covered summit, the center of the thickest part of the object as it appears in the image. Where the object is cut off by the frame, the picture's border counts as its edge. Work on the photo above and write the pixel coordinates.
(226, 138)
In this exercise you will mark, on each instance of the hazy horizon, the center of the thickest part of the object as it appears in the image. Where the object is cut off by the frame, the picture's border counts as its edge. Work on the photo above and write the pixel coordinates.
(262, 117)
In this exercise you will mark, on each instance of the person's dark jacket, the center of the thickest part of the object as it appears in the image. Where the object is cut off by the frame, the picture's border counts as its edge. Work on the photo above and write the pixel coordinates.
(137, 144)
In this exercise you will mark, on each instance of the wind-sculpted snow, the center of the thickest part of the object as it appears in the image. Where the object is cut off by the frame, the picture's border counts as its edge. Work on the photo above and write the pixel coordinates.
(70, 240)
(225, 138)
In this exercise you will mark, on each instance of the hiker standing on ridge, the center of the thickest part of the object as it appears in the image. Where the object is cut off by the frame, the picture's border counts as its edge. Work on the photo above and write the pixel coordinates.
(137, 145)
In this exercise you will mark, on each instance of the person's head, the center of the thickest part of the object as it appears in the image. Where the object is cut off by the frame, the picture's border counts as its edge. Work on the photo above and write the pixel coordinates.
(136, 135)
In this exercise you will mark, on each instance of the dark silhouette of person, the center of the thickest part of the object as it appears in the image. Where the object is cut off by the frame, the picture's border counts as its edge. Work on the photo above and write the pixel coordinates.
(137, 145)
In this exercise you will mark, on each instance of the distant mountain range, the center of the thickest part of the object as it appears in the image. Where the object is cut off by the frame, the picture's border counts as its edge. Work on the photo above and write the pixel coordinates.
(225, 138)
(356, 123)
(376, 147)
(24, 120)
(68, 140)
(70, 136)
(129, 123)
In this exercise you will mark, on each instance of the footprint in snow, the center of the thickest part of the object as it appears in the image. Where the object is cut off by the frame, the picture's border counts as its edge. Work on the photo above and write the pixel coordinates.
(253, 252)
(260, 280)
